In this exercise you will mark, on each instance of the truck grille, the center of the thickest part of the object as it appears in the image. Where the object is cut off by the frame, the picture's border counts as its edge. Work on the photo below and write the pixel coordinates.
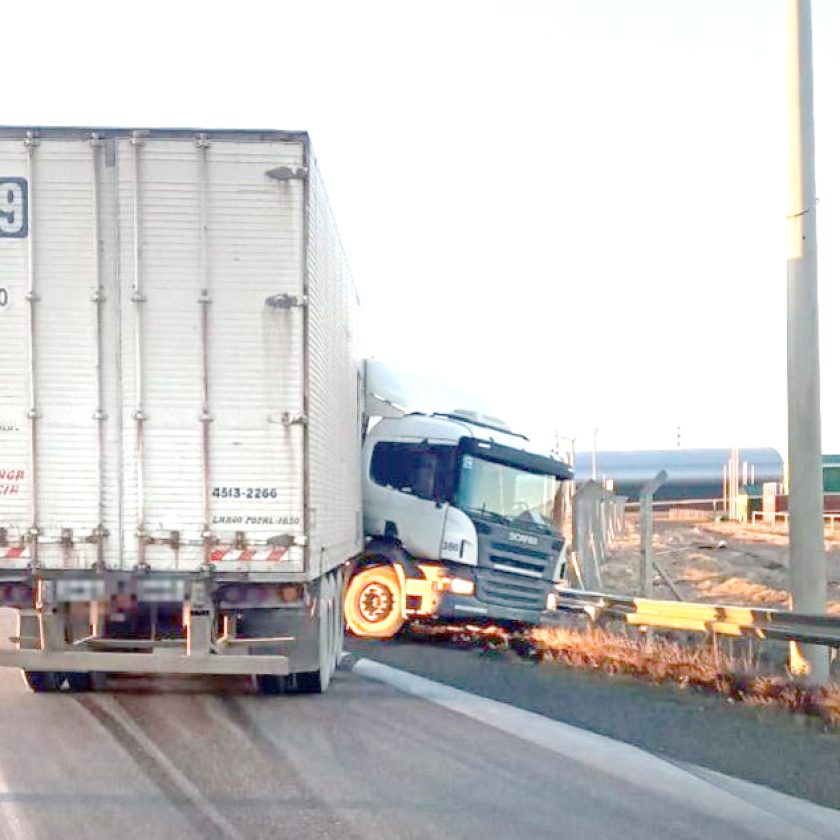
(527, 561)
(510, 590)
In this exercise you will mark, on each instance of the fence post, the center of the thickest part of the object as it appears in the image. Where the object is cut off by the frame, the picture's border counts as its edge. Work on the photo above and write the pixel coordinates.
(585, 534)
(621, 508)
(646, 532)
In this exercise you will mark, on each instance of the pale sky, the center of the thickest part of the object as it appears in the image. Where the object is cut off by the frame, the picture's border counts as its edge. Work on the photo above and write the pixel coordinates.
(573, 208)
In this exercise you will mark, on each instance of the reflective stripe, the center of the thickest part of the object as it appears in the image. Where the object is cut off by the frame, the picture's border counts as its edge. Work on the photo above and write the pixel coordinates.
(232, 555)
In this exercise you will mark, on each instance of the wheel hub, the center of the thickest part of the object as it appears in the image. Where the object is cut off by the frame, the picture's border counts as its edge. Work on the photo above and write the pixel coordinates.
(375, 602)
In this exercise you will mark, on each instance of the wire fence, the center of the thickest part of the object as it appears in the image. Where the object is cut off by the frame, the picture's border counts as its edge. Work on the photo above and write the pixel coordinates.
(597, 519)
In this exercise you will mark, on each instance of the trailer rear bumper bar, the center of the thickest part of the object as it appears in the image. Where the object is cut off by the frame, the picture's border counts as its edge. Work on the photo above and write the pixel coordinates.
(143, 663)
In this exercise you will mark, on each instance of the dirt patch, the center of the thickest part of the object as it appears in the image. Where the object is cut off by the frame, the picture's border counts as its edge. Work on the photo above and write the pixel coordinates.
(715, 562)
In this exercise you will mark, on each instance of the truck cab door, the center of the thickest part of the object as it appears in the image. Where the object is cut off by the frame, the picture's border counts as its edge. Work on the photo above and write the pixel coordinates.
(417, 523)
(400, 495)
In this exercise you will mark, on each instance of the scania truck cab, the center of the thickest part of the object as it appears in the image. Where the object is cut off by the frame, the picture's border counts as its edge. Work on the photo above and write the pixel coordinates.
(463, 520)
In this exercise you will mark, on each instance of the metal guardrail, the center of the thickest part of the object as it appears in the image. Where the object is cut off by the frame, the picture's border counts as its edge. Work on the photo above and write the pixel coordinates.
(720, 619)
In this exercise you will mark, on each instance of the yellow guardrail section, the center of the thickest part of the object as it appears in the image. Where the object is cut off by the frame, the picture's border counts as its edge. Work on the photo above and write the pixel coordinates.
(723, 619)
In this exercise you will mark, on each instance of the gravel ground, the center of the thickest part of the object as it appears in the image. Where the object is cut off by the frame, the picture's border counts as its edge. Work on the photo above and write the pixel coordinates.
(715, 562)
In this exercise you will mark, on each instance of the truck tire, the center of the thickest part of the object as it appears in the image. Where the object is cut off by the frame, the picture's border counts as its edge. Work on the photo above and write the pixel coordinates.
(316, 682)
(373, 603)
(272, 684)
(265, 623)
(43, 681)
(79, 681)
(338, 614)
(330, 643)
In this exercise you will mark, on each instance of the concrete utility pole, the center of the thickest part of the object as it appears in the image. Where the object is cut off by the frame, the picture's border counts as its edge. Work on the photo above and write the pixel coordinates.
(807, 551)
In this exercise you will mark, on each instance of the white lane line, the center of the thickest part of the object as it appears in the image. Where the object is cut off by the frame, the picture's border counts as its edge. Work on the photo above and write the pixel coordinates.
(185, 787)
(814, 817)
(770, 814)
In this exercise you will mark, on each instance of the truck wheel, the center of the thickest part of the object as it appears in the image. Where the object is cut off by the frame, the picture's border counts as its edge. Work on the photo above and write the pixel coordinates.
(309, 682)
(373, 603)
(41, 681)
(272, 684)
(338, 614)
(79, 681)
(316, 682)
(265, 623)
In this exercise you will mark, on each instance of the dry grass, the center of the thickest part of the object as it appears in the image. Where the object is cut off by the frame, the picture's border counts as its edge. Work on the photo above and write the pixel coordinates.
(743, 590)
(658, 660)
(740, 589)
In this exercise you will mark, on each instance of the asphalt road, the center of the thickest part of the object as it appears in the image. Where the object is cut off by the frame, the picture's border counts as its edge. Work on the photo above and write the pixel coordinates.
(789, 753)
(173, 758)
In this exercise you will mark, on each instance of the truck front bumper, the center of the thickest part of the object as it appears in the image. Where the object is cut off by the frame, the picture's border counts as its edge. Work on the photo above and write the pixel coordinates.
(464, 607)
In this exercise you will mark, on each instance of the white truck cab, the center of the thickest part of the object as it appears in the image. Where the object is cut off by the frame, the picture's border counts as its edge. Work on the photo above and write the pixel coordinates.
(462, 519)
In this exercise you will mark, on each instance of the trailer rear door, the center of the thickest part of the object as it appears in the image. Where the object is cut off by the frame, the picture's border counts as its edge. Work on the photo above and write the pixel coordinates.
(152, 340)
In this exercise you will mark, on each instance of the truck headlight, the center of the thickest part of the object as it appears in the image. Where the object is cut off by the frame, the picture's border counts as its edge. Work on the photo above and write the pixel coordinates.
(461, 586)
(552, 601)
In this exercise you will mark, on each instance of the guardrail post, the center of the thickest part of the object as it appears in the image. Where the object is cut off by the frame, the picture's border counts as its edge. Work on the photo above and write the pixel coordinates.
(646, 531)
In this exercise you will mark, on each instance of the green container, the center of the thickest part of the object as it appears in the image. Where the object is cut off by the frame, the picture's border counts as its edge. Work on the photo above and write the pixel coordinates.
(831, 473)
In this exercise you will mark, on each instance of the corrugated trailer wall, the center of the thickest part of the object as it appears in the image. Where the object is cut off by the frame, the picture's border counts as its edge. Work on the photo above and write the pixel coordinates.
(335, 390)
(217, 237)
(54, 379)
(14, 454)
(160, 283)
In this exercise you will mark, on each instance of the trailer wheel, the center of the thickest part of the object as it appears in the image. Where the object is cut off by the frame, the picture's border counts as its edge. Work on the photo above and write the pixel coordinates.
(338, 614)
(79, 681)
(272, 684)
(42, 681)
(373, 603)
(316, 682)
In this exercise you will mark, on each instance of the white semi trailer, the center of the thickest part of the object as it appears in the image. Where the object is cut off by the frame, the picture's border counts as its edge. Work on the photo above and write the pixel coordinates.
(180, 406)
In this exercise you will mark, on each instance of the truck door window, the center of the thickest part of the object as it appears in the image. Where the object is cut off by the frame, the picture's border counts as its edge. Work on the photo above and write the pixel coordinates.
(422, 470)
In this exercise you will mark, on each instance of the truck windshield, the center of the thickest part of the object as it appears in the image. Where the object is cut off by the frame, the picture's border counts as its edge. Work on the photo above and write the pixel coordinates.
(508, 493)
